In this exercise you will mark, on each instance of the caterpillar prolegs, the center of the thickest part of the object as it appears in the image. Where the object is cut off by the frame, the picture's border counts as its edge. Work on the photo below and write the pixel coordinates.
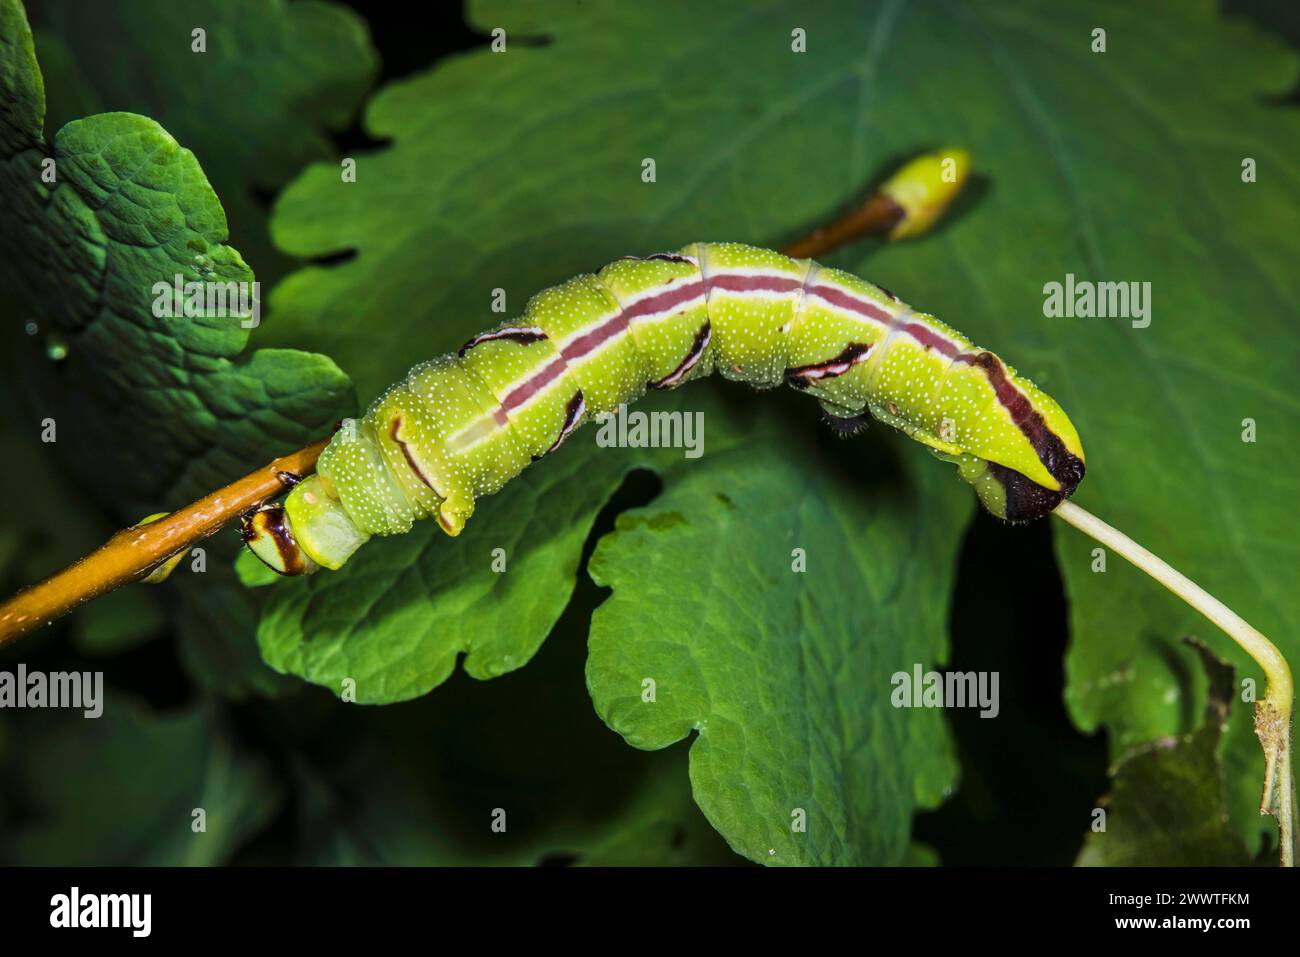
(459, 427)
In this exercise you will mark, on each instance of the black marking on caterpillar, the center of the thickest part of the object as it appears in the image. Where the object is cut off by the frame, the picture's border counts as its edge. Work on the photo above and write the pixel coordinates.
(701, 343)
(803, 377)
(572, 416)
(663, 257)
(521, 334)
(1026, 499)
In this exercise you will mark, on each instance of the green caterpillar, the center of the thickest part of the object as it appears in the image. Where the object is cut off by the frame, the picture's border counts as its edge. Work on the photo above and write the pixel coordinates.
(461, 426)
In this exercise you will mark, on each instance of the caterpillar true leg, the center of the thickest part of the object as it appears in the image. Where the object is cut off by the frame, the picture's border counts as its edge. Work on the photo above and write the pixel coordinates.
(459, 427)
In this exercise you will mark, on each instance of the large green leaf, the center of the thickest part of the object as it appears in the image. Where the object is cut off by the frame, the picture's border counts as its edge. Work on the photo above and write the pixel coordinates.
(254, 106)
(516, 170)
(773, 625)
(123, 788)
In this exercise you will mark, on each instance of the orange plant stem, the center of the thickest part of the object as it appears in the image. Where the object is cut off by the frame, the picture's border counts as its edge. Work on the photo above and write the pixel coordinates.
(133, 552)
(876, 215)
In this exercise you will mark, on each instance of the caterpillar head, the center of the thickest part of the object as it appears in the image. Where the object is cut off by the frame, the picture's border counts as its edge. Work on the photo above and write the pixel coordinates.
(310, 530)
(1010, 495)
(269, 535)
(1008, 438)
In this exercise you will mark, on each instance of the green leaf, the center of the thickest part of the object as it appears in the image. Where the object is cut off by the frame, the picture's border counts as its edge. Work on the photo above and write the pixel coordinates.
(1166, 807)
(122, 788)
(23, 122)
(159, 409)
(254, 106)
(801, 756)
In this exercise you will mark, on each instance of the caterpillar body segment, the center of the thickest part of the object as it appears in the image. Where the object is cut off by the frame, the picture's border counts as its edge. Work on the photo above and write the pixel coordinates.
(459, 427)
(663, 299)
(753, 297)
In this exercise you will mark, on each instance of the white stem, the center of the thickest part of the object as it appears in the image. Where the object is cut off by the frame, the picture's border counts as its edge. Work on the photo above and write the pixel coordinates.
(1272, 714)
